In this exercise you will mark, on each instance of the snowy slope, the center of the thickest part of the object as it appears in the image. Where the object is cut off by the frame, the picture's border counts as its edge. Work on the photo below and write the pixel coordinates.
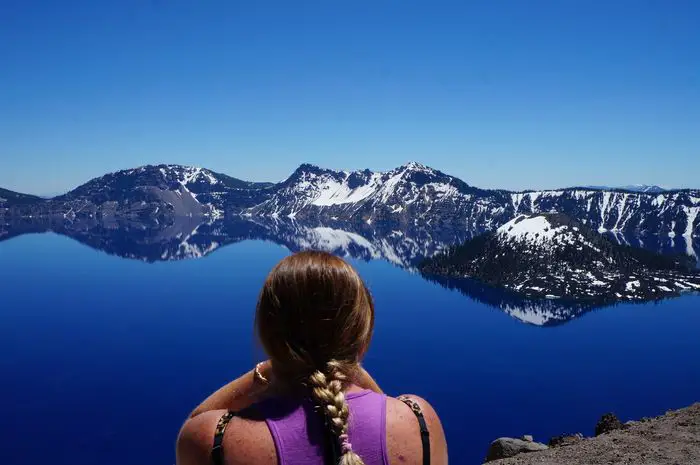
(410, 193)
(673, 212)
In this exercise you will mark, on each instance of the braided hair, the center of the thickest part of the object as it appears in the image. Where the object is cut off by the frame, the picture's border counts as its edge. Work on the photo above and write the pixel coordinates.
(327, 393)
(315, 319)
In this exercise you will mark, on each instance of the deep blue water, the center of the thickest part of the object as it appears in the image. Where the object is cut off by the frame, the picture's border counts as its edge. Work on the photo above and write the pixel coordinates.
(103, 357)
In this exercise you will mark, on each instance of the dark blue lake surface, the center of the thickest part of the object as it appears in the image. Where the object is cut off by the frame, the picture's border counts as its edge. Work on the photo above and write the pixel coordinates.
(103, 357)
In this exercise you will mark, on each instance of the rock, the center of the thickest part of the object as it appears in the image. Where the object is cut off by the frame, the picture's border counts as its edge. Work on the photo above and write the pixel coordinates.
(565, 440)
(608, 422)
(508, 447)
(528, 438)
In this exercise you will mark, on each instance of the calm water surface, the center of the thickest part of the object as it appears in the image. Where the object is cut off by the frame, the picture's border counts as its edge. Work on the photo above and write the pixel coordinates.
(103, 357)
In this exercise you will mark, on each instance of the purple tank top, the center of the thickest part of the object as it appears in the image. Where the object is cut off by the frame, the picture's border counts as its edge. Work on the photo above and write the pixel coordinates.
(298, 431)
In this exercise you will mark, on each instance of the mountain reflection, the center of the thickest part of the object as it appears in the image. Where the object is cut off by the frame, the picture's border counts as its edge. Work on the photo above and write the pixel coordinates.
(403, 245)
(189, 237)
(539, 312)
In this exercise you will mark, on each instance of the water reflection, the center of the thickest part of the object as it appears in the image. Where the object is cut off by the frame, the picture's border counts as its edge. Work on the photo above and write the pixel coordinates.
(402, 245)
(538, 312)
(186, 238)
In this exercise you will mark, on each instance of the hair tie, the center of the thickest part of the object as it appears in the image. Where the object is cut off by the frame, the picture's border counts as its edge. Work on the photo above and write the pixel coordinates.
(345, 444)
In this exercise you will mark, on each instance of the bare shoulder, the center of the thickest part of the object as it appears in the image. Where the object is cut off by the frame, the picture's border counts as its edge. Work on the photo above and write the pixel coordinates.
(246, 440)
(196, 438)
(403, 433)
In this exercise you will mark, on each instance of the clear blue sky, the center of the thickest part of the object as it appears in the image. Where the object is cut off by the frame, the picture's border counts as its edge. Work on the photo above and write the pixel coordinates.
(512, 94)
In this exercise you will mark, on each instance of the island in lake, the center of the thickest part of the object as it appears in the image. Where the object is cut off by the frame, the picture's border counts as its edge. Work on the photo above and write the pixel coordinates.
(553, 256)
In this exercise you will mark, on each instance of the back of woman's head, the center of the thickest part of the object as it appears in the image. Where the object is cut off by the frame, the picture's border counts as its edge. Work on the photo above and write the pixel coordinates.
(314, 309)
(315, 318)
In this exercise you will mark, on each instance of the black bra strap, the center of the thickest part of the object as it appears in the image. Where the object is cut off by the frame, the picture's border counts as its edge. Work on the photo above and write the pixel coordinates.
(424, 434)
(217, 450)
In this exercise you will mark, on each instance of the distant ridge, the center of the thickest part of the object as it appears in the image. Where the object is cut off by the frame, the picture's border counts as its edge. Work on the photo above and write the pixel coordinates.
(643, 188)
(8, 196)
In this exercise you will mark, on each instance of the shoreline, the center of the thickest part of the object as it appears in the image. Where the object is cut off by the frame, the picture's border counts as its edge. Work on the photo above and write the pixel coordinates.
(669, 439)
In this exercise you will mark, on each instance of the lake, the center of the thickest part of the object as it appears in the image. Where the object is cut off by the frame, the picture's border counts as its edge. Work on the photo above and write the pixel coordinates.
(104, 356)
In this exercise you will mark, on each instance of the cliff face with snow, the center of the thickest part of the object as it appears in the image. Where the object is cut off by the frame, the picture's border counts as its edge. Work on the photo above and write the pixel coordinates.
(409, 194)
(412, 194)
(673, 212)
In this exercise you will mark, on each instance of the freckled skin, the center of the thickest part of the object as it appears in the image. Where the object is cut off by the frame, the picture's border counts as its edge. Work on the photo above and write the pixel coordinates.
(248, 440)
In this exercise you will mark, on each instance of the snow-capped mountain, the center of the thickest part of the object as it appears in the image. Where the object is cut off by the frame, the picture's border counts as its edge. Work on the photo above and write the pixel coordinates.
(410, 194)
(553, 256)
(643, 188)
(194, 179)
(187, 190)
(149, 191)
(416, 194)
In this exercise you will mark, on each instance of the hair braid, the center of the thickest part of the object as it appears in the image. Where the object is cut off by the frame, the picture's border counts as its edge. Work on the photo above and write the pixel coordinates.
(327, 392)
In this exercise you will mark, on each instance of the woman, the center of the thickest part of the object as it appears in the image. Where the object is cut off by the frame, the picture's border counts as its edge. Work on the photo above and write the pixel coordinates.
(312, 403)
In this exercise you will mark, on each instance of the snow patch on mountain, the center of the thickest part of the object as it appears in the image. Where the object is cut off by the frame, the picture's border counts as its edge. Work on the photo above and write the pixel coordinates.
(535, 229)
(334, 192)
(691, 215)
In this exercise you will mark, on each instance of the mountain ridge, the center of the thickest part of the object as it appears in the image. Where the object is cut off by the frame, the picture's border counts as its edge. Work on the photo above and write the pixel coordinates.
(410, 193)
(638, 188)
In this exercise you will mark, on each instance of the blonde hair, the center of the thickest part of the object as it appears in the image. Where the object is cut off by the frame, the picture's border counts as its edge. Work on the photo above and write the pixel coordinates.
(327, 392)
(315, 319)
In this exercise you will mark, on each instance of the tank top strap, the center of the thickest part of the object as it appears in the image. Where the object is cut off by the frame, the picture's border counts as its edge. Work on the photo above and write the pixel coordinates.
(217, 449)
(424, 434)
